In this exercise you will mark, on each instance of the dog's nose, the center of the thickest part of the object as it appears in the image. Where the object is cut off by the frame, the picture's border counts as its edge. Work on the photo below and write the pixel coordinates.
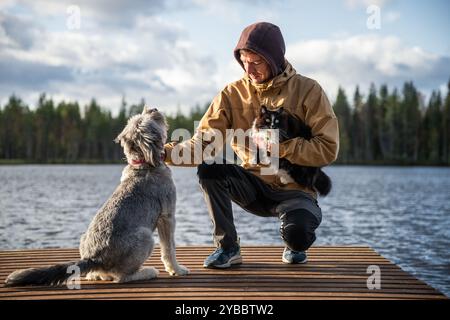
(153, 110)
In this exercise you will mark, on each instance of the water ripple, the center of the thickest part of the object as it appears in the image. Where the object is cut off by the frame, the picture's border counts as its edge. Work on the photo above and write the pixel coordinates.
(403, 213)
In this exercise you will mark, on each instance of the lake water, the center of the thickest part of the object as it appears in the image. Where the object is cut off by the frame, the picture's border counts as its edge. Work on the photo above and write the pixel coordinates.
(403, 213)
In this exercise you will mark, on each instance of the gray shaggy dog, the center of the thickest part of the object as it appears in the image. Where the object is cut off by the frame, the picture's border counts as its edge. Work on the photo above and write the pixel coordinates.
(119, 239)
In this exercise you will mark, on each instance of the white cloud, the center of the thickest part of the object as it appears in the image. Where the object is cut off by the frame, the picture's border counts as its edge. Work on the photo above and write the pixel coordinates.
(392, 16)
(352, 4)
(142, 53)
(222, 9)
(365, 59)
(107, 13)
(152, 58)
(228, 72)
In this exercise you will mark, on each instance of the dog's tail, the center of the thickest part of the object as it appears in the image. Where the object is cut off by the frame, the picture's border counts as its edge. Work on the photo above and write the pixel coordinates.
(49, 276)
(322, 183)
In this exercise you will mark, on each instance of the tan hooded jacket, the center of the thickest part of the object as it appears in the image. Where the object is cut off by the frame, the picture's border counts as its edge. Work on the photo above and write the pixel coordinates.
(239, 103)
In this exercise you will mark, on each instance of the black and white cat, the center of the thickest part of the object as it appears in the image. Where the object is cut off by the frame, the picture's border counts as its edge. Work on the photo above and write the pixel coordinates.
(290, 127)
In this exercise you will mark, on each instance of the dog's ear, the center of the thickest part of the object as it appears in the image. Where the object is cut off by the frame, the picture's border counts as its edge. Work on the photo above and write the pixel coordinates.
(119, 138)
(148, 140)
(146, 109)
(154, 156)
(150, 151)
(128, 133)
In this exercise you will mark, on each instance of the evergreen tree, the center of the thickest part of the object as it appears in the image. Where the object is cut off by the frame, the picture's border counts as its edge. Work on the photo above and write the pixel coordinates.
(382, 123)
(446, 128)
(118, 125)
(431, 142)
(45, 123)
(357, 146)
(69, 131)
(410, 115)
(13, 129)
(342, 110)
(371, 148)
(393, 124)
(387, 127)
(91, 129)
(2, 152)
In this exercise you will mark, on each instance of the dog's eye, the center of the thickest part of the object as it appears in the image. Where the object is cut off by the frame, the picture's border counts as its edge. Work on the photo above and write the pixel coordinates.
(267, 120)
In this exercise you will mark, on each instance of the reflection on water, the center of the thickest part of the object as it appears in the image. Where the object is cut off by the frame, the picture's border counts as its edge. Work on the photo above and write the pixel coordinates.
(403, 213)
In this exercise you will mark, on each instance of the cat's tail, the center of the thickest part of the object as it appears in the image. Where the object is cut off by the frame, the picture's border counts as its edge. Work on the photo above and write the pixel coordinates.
(322, 183)
(53, 275)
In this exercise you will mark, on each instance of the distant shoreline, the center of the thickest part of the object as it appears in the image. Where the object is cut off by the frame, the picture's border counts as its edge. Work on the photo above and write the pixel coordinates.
(98, 162)
(26, 162)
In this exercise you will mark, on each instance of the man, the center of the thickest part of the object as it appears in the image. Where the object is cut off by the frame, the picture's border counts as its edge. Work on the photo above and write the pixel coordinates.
(269, 80)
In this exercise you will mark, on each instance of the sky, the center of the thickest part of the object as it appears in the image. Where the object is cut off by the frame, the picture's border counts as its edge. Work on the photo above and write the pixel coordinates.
(176, 54)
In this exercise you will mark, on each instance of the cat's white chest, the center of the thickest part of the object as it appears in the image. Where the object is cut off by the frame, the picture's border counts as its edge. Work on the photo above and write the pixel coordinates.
(284, 176)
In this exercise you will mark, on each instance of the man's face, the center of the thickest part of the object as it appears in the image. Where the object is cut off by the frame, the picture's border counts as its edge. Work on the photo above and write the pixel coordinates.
(256, 67)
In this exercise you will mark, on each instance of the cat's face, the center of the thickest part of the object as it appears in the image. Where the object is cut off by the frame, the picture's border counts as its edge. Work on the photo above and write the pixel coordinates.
(268, 119)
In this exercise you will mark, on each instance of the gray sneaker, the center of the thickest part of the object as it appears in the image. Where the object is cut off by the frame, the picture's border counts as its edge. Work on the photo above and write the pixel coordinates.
(223, 258)
(294, 257)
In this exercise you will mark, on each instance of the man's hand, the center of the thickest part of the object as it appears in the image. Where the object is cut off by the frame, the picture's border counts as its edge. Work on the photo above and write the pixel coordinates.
(262, 140)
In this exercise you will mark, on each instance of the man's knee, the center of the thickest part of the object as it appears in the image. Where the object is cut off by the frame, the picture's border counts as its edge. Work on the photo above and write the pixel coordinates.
(298, 229)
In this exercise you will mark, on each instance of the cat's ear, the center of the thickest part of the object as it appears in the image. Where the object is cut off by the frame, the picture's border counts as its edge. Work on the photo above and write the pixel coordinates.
(263, 109)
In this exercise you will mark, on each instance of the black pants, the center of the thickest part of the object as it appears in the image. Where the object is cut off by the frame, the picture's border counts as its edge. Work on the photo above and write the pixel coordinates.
(299, 213)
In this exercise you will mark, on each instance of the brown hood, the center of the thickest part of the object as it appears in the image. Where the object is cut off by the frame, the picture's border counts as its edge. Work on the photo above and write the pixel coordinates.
(265, 39)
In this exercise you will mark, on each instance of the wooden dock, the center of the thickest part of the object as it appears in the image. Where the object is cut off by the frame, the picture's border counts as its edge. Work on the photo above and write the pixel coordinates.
(331, 273)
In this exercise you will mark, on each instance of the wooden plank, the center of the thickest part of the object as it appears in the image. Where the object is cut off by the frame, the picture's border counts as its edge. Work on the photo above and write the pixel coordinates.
(202, 295)
(331, 273)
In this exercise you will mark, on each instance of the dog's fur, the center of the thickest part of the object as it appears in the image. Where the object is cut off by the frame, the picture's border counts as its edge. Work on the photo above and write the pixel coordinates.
(119, 239)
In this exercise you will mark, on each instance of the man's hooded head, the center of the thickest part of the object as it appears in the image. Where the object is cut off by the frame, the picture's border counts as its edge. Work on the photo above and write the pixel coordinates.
(266, 40)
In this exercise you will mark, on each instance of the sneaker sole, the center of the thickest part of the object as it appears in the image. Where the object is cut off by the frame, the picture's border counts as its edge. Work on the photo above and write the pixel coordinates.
(289, 262)
(232, 261)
